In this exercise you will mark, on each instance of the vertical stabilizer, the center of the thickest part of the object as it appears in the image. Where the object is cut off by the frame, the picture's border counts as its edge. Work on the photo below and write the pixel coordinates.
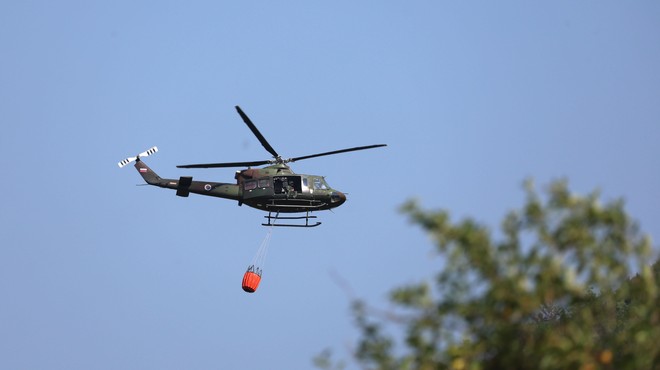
(147, 173)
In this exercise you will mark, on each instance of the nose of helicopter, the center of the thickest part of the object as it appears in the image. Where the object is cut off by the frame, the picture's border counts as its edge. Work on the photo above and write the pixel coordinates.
(337, 197)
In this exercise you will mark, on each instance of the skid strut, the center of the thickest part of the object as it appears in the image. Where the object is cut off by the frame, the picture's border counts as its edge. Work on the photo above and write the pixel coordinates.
(277, 216)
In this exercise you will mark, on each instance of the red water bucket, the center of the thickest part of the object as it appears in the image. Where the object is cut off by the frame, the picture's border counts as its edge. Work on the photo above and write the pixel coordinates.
(251, 281)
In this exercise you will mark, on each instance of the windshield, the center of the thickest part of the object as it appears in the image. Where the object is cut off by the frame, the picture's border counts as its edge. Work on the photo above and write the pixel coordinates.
(320, 184)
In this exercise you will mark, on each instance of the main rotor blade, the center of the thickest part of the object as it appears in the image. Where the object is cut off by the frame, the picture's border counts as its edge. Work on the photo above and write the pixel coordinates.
(228, 164)
(256, 132)
(336, 152)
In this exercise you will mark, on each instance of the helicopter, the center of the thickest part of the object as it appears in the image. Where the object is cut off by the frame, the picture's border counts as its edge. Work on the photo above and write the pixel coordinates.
(274, 188)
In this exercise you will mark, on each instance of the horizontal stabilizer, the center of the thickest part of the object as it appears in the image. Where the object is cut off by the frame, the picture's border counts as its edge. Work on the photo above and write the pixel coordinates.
(183, 188)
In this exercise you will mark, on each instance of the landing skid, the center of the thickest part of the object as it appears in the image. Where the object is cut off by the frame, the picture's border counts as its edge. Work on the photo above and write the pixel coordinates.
(277, 216)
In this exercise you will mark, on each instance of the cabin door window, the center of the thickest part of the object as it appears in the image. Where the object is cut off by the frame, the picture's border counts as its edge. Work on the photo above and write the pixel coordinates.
(286, 184)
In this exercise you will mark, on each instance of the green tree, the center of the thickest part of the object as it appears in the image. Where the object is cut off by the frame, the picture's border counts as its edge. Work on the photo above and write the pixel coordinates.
(554, 291)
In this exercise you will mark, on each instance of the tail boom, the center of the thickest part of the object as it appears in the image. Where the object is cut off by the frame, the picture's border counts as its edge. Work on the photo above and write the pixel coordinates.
(184, 185)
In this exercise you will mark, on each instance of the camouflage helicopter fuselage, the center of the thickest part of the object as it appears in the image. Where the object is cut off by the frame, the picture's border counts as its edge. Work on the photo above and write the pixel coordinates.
(273, 188)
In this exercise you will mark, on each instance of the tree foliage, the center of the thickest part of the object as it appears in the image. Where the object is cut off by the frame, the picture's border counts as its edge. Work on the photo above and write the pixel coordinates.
(565, 284)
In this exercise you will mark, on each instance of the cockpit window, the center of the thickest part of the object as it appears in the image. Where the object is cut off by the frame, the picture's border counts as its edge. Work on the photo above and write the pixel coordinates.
(250, 184)
(319, 184)
(264, 183)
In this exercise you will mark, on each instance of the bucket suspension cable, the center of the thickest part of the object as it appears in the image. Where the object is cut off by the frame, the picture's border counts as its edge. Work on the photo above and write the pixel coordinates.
(252, 276)
(259, 260)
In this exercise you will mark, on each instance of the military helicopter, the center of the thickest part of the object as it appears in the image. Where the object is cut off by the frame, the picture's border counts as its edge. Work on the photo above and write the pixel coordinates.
(275, 188)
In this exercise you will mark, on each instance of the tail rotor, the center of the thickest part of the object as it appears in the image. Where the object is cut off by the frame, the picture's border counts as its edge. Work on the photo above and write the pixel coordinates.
(146, 153)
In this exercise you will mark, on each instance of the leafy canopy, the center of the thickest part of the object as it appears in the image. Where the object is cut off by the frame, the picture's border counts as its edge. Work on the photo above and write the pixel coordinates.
(567, 284)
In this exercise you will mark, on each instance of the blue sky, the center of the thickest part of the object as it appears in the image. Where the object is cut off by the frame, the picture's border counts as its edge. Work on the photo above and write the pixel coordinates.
(471, 97)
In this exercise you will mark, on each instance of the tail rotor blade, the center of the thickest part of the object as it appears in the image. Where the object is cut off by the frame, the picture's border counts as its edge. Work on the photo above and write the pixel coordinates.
(126, 161)
(148, 152)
